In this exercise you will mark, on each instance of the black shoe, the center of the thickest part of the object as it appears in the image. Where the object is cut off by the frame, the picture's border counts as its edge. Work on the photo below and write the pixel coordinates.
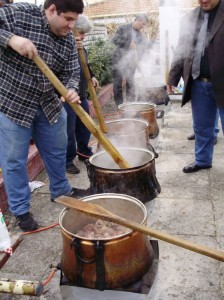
(72, 169)
(26, 222)
(83, 157)
(191, 137)
(76, 193)
(194, 168)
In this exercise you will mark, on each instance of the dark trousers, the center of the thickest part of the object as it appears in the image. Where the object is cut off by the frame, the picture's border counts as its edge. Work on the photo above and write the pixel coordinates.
(118, 76)
(77, 134)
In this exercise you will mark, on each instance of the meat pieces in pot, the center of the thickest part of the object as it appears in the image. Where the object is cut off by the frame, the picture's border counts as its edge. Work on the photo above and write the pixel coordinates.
(102, 229)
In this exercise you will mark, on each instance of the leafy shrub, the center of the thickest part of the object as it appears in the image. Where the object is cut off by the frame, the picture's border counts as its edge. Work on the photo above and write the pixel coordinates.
(100, 60)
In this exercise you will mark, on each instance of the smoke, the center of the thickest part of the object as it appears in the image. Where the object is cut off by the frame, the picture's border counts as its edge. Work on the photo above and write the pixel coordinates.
(131, 132)
(183, 49)
(127, 132)
(152, 61)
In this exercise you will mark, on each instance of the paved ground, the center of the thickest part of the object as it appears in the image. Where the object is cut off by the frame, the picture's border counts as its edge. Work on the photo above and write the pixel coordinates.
(190, 206)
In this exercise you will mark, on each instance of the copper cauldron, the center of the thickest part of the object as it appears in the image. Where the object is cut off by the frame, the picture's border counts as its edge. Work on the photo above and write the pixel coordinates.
(127, 133)
(106, 263)
(138, 181)
(143, 110)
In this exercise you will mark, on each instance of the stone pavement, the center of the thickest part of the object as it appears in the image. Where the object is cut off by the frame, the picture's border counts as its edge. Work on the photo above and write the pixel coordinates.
(190, 206)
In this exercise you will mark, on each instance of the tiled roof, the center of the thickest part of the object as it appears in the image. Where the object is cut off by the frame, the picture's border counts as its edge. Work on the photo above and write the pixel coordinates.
(126, 7)
(115, 7)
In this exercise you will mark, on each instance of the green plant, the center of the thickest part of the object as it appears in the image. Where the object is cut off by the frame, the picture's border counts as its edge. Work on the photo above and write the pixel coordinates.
(100, 60)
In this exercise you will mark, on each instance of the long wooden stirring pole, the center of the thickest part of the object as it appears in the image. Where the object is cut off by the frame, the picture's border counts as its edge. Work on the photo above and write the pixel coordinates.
(91, 88)
(98, 211)
(85, 118)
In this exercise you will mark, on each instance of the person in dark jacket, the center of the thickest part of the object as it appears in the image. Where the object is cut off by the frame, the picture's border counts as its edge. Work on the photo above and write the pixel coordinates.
(130, 43)
(78, 134)
(199, 60)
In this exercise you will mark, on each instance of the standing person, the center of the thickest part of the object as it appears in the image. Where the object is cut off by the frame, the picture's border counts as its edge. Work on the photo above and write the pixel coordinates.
(130, 43)
(29, 105)
(199, 59)
(76, 130)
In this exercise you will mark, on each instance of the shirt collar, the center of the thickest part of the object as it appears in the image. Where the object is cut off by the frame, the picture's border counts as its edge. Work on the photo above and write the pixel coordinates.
(44, 17)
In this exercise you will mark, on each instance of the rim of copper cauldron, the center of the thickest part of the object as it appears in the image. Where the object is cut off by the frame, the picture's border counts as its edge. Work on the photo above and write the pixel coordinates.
(102, 196)
(125, 107)
(138, 120)
(116, 170)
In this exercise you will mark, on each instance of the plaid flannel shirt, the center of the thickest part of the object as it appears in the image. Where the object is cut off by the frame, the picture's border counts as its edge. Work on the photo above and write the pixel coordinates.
(23, 87)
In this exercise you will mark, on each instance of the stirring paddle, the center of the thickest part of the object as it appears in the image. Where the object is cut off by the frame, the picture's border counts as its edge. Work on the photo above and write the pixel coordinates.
(98, 211)
(82, 114)
(91, 87)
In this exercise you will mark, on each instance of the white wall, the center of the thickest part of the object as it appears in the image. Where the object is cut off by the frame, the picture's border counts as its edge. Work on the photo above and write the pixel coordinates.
(169, 31)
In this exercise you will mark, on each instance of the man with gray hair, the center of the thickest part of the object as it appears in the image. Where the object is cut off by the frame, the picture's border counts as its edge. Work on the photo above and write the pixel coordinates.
(130, 43)
(78, 134)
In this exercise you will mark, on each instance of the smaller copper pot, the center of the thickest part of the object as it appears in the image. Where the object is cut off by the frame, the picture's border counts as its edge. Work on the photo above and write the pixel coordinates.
(145, 110)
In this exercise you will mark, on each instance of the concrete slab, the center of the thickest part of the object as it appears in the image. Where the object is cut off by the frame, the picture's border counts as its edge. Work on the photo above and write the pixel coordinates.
(187, 185)
(191, 275)
(182, 216)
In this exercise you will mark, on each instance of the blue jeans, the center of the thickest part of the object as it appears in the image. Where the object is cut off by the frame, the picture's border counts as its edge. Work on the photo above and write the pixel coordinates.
(204, 111)
(51, 141)
(77, 133)
(217, 124)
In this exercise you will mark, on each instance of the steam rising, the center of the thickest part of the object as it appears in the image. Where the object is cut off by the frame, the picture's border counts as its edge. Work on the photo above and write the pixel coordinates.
(127, 133)
(153, 63)
(136, 158)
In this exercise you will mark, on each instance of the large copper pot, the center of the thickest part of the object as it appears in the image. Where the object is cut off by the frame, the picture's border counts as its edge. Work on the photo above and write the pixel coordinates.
(124, 259)
(145, 110)
(138, 181)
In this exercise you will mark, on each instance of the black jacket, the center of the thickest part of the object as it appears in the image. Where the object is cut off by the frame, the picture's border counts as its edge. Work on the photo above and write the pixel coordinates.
(122, 40)
(183, 55)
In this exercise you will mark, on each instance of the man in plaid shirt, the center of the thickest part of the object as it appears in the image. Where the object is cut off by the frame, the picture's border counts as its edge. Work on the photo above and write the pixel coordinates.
(29, 105)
